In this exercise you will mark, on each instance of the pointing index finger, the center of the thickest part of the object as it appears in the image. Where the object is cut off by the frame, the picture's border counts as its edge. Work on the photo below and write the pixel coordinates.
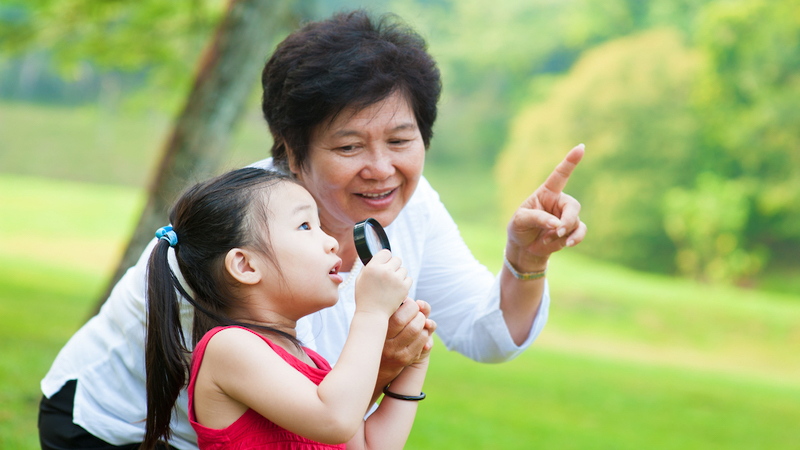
(558, 179)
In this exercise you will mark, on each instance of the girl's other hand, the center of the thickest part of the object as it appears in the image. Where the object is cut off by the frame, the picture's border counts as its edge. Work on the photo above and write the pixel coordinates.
(382, 285)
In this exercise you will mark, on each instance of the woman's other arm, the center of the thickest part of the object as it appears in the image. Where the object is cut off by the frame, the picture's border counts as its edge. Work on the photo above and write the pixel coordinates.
(545, 223)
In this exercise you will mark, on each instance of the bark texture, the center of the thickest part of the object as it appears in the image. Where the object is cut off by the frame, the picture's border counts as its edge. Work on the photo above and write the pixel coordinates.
(229, 69)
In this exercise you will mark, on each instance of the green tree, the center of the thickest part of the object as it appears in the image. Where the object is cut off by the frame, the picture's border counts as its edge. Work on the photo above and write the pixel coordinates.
(225, 78)
(152, 37)
(707, 223)
(119, 35)
(693, 142)
(748, 106)
(494, 58)
(629, 101)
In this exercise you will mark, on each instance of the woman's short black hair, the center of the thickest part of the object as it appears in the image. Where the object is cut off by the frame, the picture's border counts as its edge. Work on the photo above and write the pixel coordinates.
(347, 61)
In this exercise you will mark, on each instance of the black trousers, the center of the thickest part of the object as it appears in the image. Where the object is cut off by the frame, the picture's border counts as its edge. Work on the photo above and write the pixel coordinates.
(58, 432)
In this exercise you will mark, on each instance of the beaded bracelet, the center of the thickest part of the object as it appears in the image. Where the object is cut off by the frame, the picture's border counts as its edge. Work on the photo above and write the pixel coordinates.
(412, 398)
(523, 275)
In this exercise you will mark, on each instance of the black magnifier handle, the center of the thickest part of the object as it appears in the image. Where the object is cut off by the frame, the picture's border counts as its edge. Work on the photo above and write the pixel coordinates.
(370, 238)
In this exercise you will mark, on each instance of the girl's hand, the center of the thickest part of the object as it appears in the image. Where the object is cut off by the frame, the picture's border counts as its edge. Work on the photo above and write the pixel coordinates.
(382, 285)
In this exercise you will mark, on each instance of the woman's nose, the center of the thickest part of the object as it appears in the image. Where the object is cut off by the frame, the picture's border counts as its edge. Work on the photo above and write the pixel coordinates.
(380, 165)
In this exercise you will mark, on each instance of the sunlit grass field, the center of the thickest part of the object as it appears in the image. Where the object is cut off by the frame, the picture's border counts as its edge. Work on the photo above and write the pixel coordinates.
(627, 360)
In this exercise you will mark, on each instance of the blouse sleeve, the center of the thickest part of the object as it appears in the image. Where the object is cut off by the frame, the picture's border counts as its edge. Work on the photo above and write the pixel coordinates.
(464, 295)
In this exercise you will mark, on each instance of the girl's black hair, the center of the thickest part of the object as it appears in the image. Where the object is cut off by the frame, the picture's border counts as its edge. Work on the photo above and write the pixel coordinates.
(210, 219)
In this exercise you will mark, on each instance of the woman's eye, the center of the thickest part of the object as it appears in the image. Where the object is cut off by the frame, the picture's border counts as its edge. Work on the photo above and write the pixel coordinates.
(305, 226)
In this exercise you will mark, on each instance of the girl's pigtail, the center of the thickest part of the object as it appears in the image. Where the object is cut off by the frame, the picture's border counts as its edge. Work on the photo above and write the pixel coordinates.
(165, 350)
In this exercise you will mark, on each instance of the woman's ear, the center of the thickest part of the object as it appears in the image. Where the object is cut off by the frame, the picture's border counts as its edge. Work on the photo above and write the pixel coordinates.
(290, 160)
(242, 266)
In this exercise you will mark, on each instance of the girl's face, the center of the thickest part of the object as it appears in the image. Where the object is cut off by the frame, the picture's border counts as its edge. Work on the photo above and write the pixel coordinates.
(308, 279)
(366, 163)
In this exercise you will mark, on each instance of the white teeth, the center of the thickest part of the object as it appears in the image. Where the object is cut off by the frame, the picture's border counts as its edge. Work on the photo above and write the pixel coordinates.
(382, 194)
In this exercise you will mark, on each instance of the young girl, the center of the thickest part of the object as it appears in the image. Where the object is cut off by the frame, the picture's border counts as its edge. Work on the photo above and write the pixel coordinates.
(250, 248)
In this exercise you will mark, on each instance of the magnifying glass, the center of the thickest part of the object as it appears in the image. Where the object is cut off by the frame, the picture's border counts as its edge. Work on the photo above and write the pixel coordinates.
(370, 239)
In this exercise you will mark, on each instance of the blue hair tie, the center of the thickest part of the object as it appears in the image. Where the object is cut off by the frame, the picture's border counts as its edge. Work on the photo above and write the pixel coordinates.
(168, 235)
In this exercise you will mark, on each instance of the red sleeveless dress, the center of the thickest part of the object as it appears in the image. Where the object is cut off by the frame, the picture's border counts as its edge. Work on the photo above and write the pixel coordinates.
(252, 430)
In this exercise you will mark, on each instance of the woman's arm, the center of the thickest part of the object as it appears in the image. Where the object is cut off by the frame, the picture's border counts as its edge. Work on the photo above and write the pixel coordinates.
(545, 223)
(485, 322)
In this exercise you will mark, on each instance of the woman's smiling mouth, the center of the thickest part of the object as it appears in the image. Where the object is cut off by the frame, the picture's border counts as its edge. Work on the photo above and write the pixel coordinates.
(378, 195)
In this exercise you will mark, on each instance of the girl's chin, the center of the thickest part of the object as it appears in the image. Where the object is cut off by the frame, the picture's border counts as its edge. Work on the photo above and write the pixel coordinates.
(333, 300)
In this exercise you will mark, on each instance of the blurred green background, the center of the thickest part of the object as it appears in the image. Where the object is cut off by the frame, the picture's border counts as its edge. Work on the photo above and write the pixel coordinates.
(676, 324)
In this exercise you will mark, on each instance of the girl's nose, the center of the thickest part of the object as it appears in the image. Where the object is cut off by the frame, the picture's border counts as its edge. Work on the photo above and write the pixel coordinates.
(331, 243)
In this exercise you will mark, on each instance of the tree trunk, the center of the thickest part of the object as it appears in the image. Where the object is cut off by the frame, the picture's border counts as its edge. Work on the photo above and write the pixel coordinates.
(228, 71)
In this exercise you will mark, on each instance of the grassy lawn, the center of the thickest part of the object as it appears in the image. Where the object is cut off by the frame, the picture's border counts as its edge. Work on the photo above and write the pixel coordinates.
(628, 360)
(58, 241)
(547, 398)
(108, 147)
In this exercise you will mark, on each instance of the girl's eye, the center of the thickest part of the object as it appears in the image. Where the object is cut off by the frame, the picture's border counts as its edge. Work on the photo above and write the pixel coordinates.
(305, 226)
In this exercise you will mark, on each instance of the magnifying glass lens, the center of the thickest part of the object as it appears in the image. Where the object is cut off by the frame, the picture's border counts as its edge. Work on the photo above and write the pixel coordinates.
(373, 240)
(370, 239)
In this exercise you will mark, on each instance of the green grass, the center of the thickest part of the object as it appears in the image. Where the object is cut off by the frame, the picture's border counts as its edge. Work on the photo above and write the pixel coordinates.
(41, 305)
(550, 399)
(58, 243)
(628, 360)
(103, 146)
(79, 143)
(601, 376)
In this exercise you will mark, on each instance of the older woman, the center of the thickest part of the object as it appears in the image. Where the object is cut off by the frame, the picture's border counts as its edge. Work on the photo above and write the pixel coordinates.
(351, 104)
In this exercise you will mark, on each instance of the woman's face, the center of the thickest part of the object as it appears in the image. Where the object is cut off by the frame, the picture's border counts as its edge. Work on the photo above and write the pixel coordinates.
(365, 163)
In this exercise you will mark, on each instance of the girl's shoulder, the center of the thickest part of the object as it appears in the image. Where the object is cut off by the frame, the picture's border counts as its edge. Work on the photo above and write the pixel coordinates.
(232, 340)
(235, 345)
(238, 361)
(230, 356)
(231, 347)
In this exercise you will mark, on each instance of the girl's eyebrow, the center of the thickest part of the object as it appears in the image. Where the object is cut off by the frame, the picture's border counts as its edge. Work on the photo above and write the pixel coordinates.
(302, 208)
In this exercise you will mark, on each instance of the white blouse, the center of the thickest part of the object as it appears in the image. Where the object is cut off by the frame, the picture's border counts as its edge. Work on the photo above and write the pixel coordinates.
(106, 355)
